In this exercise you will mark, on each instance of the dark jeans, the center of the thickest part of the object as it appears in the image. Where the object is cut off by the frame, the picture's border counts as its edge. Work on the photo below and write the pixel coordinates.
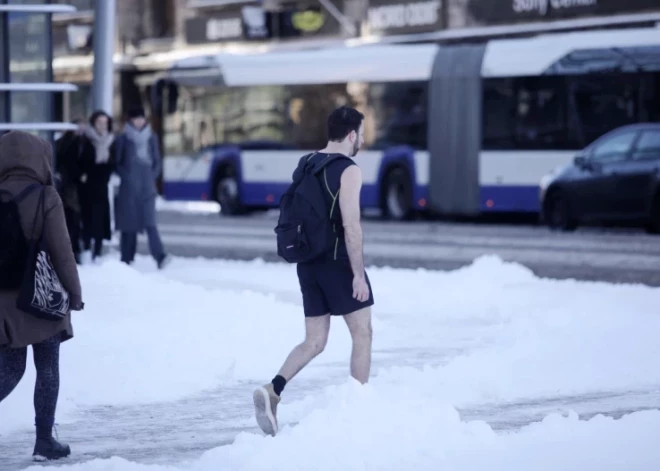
(95, 220)
(98, 246)
(128, 245)
(91, 226)
(47, 362)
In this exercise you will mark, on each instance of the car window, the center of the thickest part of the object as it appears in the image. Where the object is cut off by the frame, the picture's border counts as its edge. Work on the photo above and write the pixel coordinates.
(615, 148)
(648, 146)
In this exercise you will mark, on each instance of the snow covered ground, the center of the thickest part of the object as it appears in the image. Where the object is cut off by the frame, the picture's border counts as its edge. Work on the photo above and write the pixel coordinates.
(187, 207)
(486, 367)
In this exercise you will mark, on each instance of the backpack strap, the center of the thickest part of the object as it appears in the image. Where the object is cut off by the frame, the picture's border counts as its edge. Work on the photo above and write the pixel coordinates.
(24, 192)
(318, 166)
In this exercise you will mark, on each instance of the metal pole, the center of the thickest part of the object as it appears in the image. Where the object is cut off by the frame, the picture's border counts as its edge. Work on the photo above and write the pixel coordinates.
(50, 79)
(104, 71)
(104, 48)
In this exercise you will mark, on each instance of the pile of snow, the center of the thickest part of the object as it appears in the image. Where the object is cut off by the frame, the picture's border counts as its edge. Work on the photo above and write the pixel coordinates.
(187, 206)
(488, 333)
(396, 426)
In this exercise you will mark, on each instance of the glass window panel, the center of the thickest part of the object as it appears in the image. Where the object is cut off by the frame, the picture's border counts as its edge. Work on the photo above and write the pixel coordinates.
(615, 148)
(400, 114)
(648, 146)
(601, 103)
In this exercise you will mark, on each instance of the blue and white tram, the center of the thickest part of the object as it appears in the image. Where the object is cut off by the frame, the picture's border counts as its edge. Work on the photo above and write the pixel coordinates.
(458, 129)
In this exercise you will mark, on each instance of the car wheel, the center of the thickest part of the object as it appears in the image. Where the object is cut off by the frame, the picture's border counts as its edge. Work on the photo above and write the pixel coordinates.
(653, 224)
(558, 214)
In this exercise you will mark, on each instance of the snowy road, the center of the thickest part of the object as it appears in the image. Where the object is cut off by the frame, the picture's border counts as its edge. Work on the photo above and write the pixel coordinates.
(628, 256)
(485, 366)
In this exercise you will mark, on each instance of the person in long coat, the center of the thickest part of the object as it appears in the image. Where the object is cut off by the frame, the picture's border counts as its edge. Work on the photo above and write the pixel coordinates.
(97, 166)
(138, 164)
(26, 160)
(69, 150)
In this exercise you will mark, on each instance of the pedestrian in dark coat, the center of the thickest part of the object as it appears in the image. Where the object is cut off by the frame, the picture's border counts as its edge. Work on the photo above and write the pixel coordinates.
(138, 164)
(97, 165)
(69, 150)
(25, 160)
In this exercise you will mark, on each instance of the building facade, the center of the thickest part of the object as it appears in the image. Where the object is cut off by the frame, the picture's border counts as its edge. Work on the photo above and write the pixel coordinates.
(151, 34)
(143, 27)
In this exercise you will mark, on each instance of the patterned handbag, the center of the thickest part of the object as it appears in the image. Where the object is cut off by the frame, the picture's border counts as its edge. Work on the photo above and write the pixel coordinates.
(41, 293)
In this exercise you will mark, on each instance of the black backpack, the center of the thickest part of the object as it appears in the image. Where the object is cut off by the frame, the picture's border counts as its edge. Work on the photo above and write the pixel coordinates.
(304, 229)
(13, 244)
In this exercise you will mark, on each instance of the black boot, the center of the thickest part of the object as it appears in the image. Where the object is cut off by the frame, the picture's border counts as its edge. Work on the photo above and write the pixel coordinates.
(47, 448)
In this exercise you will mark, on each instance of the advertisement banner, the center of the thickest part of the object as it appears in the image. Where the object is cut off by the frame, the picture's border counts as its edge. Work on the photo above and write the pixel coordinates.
(493, 12)
(247, 23)
(313, 21)
(392, 17)
(254, 23)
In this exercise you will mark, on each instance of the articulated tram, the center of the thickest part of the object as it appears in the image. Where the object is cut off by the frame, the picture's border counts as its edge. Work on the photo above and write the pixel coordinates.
(458, 129)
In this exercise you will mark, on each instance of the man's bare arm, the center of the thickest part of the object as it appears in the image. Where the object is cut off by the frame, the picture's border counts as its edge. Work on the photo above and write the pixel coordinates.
(349, 203)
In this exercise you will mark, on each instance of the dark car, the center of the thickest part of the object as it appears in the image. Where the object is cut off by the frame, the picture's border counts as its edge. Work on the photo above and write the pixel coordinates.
(614, 179)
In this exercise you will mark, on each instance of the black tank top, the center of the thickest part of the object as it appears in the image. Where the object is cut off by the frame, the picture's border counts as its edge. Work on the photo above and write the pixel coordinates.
(330, 179)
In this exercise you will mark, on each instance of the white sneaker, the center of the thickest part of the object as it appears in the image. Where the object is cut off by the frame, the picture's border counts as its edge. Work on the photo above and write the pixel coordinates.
(265, 408)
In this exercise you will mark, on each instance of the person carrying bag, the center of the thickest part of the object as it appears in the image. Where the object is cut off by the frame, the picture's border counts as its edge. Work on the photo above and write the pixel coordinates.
(39, 282)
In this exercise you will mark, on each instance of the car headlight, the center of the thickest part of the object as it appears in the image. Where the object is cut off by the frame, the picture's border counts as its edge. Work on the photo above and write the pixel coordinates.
(546, 180)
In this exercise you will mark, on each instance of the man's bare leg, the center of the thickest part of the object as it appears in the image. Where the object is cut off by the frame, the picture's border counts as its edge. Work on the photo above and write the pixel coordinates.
(359, 325)
(266, 398)
(316, 338)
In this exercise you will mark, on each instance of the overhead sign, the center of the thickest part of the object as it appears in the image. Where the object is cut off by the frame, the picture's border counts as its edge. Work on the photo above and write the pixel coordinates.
(388, 17)
(488, 12)
(247, 23)
(254, 23)
(307, 22)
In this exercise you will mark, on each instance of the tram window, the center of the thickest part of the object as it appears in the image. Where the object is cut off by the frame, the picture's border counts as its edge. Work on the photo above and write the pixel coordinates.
(649, 99)
(250, 114)
(525, 113)
(308, 108)
(601, 103)
(399, 112)
(540, 114)
(565, 112)
(178, 132)
(498, 115)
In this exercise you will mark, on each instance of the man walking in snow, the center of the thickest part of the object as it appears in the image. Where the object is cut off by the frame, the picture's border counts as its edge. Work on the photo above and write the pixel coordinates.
(336, 282)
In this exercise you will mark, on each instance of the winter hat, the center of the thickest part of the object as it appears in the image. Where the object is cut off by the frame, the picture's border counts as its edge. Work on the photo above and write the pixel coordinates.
(136, 112)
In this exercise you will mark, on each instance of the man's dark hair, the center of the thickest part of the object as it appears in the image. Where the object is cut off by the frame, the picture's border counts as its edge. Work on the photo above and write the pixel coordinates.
(342, 121)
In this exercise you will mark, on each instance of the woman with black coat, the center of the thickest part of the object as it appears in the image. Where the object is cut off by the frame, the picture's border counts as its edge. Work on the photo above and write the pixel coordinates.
(98, 165)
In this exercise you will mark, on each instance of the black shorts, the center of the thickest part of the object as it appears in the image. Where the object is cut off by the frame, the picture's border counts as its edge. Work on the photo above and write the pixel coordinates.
(327, 287)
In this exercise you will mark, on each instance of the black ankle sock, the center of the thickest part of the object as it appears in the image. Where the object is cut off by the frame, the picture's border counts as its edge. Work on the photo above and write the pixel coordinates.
(278, 384)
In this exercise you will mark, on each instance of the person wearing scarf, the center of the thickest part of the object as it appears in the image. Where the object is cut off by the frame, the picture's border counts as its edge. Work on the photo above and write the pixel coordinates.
(97, 169)
(138, 165)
